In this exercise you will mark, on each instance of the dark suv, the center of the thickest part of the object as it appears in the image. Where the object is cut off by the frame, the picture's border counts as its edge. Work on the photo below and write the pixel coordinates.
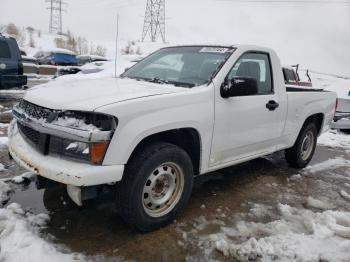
(11, 66)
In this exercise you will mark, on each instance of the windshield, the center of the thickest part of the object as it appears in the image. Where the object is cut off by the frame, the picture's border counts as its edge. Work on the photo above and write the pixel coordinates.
(181, 66)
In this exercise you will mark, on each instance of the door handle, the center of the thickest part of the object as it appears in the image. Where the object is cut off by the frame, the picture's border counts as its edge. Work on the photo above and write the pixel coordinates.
(272, 105)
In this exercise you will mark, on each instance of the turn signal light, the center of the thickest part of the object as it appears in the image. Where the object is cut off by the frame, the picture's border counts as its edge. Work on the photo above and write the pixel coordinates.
(98, 151)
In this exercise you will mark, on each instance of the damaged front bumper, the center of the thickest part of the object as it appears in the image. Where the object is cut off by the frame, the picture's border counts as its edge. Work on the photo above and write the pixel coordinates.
(74, 174)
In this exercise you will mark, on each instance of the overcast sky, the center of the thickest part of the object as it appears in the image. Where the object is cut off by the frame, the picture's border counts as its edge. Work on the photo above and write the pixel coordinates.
(317, 34)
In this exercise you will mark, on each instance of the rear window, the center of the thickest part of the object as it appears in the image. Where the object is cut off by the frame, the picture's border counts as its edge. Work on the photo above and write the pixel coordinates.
(4, 50)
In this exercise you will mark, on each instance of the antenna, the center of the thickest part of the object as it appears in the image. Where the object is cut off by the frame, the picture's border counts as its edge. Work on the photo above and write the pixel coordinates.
(116, 47)
(55, 7)
(154, 23)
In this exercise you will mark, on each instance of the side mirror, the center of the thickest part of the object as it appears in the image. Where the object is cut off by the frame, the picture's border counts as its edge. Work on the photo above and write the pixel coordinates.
(239, 86)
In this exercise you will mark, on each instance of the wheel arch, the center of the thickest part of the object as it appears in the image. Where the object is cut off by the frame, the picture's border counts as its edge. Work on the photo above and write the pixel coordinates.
(188, 139)
(317, 119)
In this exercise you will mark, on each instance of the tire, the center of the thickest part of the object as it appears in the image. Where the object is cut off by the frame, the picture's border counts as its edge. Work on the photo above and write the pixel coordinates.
(156, 186)
(346, 131)
(304, 148)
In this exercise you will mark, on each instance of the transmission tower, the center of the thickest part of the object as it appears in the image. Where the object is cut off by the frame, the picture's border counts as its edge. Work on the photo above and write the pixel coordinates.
(154, 23)
(56, 10)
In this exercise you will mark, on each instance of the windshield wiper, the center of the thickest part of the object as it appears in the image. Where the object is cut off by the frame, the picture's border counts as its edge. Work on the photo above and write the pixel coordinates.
(181, 84)
(158, 80)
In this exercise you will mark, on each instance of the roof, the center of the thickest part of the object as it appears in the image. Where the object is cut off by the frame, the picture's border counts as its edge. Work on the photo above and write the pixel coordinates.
(58, 51)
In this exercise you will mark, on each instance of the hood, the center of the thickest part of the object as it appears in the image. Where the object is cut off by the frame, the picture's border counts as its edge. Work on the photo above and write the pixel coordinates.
(90, 94)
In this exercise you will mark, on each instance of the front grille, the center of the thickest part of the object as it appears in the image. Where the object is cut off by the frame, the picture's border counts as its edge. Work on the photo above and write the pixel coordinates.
(34, 111)
(30, 134)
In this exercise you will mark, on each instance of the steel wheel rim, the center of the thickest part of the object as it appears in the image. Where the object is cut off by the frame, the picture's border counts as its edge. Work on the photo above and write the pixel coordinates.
(163, 189)
(307, 145)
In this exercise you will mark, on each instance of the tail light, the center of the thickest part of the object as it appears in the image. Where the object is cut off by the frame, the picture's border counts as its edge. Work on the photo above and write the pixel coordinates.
(336, 105)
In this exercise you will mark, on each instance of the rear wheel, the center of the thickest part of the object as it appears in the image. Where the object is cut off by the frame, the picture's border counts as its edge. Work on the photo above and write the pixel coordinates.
(156, 186)
(303, 150)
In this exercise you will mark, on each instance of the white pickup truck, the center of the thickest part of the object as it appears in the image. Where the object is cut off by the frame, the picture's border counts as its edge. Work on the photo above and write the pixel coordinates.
(181, 112)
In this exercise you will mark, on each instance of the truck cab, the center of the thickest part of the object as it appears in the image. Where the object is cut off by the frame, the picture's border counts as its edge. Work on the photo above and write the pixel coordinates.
(11, 66)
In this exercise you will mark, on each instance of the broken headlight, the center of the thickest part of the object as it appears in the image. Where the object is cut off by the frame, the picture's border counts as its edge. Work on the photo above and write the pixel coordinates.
(92, 152)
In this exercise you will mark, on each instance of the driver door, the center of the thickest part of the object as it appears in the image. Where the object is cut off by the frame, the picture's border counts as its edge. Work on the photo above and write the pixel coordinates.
(244, 125)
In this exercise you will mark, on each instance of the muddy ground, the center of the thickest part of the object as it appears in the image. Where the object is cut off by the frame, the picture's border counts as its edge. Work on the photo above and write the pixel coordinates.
(96, 229)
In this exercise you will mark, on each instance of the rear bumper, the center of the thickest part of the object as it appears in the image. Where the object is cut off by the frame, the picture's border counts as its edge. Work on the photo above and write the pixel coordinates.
(60, 170)
(341, 121)
(9, 81)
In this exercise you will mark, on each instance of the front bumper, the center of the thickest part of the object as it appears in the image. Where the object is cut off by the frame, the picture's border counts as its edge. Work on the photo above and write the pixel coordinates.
(71, 173)
(341, 121)
(9, 81)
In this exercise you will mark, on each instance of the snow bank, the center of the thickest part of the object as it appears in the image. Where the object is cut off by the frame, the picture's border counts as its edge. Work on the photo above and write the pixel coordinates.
(2, 167)
(4, 193)
(335, 139)
(316, 203)
(29, 176)
(20, 238)
(3, 141)
(328, 165)
(298, 235)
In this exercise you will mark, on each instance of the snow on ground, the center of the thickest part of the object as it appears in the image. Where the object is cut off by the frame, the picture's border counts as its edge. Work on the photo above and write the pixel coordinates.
(314, 231)
(328, 165)
(29, 176)
(298, 235)
(335, 139)
(20, 238)
(5, 189)
(3, 141)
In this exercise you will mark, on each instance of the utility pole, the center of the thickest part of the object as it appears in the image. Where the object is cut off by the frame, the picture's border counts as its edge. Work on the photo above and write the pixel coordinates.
(56, 9)
(154, 23)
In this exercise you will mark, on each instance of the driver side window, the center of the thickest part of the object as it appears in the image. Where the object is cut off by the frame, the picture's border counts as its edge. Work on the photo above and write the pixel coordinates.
(256, 66)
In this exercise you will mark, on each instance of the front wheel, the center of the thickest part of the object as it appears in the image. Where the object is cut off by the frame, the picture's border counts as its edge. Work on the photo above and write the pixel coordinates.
(303, 150)
(156, 186)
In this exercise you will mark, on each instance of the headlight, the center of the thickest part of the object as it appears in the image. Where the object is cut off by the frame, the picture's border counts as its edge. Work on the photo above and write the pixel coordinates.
(92, 152)
(84, 120)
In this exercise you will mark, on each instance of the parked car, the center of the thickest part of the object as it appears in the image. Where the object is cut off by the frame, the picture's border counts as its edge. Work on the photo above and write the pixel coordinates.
(152, 131)
(11, 66)
(57, 57)
(342, 115)
(292, 79)
(29, 60)
(85, 59)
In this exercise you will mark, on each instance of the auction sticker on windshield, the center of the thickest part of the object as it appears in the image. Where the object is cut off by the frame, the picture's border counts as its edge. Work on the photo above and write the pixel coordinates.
(214, 50)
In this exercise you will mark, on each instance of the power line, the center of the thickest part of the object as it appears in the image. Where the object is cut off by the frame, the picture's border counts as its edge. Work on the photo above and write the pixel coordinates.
(56, 10)
(154, 22)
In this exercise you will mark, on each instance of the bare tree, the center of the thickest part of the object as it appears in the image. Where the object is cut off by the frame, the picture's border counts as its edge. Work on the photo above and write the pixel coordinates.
(59, 42)
(2, 28)
(71, 42)
(31, 39)
(12, 29)
(100, 51)
(22, 37)
(82, 45)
